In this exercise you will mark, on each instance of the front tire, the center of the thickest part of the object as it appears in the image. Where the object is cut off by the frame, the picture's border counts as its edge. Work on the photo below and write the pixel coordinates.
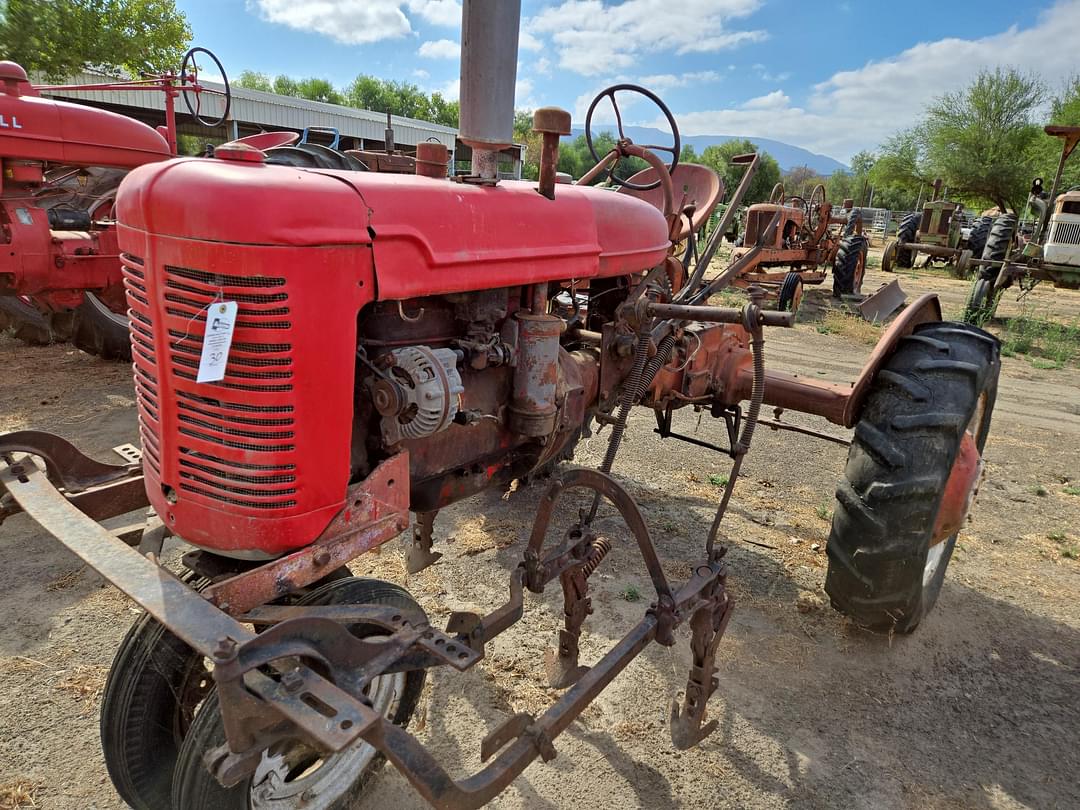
(885, 568)
(288, 778)
(791, 293)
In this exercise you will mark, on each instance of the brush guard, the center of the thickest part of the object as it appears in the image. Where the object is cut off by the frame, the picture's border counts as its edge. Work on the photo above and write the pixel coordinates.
(303, 677)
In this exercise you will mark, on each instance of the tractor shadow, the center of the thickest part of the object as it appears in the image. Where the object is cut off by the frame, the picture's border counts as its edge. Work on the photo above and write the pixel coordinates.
(978, 706)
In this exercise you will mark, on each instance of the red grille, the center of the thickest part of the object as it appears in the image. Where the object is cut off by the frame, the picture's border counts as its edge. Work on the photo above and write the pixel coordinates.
(217, 441)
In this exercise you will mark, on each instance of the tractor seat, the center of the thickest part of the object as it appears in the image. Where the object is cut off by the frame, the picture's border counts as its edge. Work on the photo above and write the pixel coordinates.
(697, 188)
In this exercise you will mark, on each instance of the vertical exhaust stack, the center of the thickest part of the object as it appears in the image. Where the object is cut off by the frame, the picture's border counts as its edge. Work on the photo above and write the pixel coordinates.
(489, 50)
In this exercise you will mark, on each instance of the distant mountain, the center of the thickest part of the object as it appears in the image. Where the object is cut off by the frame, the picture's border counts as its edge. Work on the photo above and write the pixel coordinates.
(786, 155)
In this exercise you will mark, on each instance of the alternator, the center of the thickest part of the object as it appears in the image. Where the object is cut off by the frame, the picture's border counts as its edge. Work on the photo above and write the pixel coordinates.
(425, 393)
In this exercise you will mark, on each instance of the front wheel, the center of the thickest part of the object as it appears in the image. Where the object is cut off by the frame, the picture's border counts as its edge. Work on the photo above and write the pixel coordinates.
(912, 472)
(291, 774)
(791, 293)
(982, 303)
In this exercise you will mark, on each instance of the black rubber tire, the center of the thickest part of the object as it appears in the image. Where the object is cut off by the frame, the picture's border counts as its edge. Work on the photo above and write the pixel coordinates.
(906, 441)
(142, 722)
(99, 331)
(789, 292)
(997, 243)
(193, 786)
(26, 322)
(982, 302)
(980, 231)
(853, 219)
(849, 265)
(909, 227)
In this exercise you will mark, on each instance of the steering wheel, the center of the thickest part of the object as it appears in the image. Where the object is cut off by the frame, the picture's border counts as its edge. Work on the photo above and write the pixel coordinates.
(189, 83)
(655, 99)
(813, 210)
(776, 196)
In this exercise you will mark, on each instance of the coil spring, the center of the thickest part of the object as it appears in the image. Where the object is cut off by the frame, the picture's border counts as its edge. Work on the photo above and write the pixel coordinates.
(598, 549)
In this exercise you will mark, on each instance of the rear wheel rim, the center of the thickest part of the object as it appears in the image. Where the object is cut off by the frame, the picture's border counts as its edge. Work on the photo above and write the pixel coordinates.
(941, 550)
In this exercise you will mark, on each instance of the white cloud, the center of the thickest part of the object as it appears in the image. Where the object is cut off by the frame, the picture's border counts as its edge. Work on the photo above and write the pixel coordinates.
(767, 76)
(523, 99)
(666, 81)
(593, 37)
(858, 109)
(440, 49)
(357, 22)
(451, 90)
(543, 66)
(438, 12)
(420, 73)
(776, 100)
(527, 42)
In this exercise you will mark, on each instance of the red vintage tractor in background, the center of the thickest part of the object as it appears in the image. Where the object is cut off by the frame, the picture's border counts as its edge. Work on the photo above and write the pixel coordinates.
(60, 165)
(318, 352)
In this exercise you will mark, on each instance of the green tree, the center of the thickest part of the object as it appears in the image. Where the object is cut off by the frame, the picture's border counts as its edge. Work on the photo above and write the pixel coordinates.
(253, 80)
(801, 182)
(1046, 151)
(839, 186)
(523, 134)
(62, 37)
(688, 155)
(980, 140)
(400, 98)
(718, 158)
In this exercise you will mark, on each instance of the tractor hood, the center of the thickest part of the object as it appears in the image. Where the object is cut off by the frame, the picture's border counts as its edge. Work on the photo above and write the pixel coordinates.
(40, 129)
(427, 236)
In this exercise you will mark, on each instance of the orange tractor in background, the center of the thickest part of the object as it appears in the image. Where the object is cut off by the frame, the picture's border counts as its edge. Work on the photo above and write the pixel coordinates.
(799, 235)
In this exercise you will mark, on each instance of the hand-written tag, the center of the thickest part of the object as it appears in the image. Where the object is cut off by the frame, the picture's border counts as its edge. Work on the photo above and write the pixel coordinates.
(220, 322)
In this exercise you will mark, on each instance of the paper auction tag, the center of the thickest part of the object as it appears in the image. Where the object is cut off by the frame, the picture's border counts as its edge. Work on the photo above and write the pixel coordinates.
(220, 322)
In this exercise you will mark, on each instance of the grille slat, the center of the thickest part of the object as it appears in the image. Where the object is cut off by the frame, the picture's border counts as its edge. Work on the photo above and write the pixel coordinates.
(1066, 233)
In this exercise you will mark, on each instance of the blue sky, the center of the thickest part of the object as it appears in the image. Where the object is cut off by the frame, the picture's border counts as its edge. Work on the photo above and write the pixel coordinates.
(833, 76)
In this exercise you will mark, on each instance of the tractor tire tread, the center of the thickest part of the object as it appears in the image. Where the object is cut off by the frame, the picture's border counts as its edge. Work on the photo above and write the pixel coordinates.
(900, 458)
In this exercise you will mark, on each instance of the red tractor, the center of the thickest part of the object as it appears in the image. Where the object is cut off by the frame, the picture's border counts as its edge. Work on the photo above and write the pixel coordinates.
(319, 352)
(61, 164)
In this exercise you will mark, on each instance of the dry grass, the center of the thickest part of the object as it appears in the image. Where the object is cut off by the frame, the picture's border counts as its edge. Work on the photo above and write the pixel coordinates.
(65, 581)
(85, 681)
(19, 794)
(483, 533)
(846, 325)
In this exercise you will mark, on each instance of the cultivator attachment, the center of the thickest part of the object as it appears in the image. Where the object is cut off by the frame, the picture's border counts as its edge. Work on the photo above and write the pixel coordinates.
(303, 676)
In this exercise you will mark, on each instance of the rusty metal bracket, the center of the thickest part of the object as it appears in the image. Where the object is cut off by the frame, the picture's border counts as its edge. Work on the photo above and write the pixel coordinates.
(708, 622)
(420, 554)
(376, 510)
(67, 467)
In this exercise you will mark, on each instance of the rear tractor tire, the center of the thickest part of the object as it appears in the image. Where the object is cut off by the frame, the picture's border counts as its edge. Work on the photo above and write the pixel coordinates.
(849, 266)
(908, 230)
(28, 324)
(912, 472)
(99, 331)
(980, 231)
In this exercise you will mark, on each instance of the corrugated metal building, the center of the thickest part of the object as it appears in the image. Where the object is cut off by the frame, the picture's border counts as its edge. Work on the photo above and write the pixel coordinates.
(254, 111)
(257, 111)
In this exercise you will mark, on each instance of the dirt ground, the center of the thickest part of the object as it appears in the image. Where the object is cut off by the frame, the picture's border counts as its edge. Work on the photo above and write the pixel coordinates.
(979, 708)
